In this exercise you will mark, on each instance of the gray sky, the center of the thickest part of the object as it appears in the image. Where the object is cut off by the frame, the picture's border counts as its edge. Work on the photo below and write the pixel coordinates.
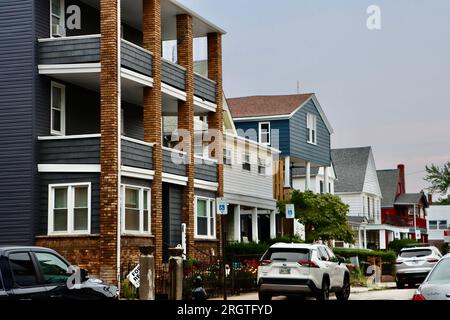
(388, 89)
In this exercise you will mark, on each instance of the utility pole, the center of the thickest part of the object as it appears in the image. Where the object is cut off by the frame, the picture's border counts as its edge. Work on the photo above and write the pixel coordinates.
(415, 223)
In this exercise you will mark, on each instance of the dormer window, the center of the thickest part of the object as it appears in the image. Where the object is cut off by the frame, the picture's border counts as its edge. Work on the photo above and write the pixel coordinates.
(264, 133)
(311, 124)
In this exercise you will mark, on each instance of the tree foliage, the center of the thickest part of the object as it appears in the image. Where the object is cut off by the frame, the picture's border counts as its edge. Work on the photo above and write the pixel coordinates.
(439, 178)
(324, 216)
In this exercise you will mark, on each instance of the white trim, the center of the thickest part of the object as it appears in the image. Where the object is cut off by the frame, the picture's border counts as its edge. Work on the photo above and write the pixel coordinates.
(184, 153)
(76, 68)
(206, 185)
(89, 36)
(256, 144)
(174, 179)
(311, 127)
(61, 17)
(70, 209)
(69, 168)
(211, 235)
(198, 102)
(267, 118)
(62, 109)
(174, 92)
(137, 77)
(260, 124)
(205, 159)
(138, 173)
(81, 136)
(141, 191)
(148, 144)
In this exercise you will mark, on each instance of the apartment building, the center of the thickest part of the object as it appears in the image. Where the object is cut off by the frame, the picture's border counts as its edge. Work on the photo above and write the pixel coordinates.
(85, 165)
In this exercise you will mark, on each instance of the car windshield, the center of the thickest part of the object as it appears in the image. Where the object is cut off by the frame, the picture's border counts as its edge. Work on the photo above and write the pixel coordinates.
(417, 253)
(441, 272)
(287, 255)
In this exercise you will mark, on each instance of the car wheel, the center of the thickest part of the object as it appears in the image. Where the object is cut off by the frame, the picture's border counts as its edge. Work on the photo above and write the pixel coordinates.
(344, 294)
(264, 296)
(324, 294)
(400, 285)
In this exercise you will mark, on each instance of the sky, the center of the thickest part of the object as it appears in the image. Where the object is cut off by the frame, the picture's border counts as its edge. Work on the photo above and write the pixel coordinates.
(387, 88)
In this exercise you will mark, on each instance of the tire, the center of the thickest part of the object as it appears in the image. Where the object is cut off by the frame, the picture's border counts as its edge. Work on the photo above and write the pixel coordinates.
(344, 294)
(400, 285)
(324, 294)
(264, 296)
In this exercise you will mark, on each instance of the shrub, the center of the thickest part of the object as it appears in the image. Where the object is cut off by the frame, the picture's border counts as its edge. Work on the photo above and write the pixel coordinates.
(249, 250)
(287, 239)
(399, 244)
(363, 254)
(128, 292)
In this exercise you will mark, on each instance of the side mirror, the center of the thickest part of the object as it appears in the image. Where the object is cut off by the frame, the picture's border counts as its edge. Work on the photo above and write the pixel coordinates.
(84, 275)
(341, 260)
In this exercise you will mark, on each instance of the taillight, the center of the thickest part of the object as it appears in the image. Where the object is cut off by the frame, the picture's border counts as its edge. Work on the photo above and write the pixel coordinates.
(308, 264)
(265, 262)
(418, 296)
(433, 260)
(398, 262)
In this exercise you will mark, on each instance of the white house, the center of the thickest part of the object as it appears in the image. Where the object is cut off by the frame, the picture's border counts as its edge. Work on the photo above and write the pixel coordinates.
(439, 224)
(317, 179)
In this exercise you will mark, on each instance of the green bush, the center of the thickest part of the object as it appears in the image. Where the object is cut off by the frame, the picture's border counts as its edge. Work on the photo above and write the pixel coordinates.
(249, 250)
(362, 254)
(129, 292)
(286, 239)
(399, 244)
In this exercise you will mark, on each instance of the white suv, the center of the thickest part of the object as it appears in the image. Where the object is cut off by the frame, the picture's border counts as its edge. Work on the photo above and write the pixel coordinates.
(302, 269)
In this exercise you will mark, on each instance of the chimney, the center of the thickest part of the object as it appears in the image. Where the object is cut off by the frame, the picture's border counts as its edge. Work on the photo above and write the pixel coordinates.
(401, 168)
(430, 199)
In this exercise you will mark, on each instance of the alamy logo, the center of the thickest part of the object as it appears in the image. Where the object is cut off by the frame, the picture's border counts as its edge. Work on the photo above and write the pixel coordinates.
(374, 19)
(73, 21)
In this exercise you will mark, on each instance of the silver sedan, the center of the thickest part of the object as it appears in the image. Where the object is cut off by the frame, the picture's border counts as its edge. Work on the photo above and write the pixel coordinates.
(437, 284)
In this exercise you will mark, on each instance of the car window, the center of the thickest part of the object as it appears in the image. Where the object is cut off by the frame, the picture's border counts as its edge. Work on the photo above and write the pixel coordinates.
(287, 255)
(323, 254)
(54, 269)
(330, 253)
(415, 253)
(441, 272)
(1, 283)
(22, 268)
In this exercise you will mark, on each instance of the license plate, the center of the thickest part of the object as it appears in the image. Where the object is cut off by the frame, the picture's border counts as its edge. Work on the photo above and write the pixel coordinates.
(285, 270)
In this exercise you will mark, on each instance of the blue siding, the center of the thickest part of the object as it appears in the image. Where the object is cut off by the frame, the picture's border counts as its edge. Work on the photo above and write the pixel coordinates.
(16, 122)
(318, 154)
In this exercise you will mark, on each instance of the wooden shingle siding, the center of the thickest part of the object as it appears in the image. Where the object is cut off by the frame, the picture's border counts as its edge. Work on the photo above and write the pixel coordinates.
(170, 166)
(173, 75)
(84, 50)
(137, 155)
(70, 151)
(136, 59)
(206, 170)
(299, 147)
(61, 178)
(16, 122)
(205, 88)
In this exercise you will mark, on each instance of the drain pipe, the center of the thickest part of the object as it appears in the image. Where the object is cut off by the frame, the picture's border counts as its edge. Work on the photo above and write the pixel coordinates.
(119, 141)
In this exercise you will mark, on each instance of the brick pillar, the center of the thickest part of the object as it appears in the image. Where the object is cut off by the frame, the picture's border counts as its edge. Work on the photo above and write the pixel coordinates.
(109, 140)
(153, 115)
(215, 120)
(186, 118)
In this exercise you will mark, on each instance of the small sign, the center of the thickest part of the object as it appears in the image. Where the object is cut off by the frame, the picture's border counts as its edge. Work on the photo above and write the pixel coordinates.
(418, 234)
(135, 277)
(290, 211)
(222, 206)
(397, 235)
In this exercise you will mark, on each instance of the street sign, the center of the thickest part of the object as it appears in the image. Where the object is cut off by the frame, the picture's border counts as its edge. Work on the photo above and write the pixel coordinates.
(222, 206)
(290, 211)
(135, 277)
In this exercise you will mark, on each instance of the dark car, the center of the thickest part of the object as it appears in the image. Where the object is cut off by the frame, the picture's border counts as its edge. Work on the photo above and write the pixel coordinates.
(33, 273)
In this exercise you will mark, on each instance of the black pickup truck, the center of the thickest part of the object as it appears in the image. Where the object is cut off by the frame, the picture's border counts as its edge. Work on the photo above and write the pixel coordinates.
(33, 273)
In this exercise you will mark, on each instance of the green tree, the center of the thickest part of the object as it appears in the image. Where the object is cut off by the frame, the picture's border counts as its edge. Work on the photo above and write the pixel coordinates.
(324, 216)
(439, 178)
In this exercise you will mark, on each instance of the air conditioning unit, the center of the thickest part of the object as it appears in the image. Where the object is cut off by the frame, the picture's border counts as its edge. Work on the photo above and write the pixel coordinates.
(58, 31)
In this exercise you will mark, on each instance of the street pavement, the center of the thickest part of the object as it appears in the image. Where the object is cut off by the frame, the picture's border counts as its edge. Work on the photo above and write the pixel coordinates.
(356, 294)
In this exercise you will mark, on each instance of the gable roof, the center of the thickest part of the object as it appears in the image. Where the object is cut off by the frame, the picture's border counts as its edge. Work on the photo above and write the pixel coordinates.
(409, 198)
(388, 180)
(350, 165)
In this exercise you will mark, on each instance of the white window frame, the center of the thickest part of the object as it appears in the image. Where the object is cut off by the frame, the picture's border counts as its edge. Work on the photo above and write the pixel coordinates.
(228, 157)
(262, 164)
(211, 203)
(311, 125)
(269, 138)
(62, 132)
(70, 208)
(245, 161)
(61, 17)
(141, 210)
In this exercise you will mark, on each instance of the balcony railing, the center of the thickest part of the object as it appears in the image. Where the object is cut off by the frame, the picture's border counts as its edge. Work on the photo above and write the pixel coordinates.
(408, 221)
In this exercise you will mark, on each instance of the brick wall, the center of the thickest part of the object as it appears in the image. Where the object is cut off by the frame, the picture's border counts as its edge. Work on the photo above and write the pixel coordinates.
(186, 118)
(207, 251)
(153, 114)
(109, 140)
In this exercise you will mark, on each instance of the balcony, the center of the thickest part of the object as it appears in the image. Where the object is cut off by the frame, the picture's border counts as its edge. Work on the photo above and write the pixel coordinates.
(408, 221)
(420, 222)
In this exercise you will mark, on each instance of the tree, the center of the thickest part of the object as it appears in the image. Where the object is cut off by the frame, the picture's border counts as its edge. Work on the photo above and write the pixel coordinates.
(439, 178)
(324, 216)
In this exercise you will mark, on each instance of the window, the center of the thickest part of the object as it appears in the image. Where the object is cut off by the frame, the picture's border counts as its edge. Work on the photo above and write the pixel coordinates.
(433, 225)
(311, 124)
(246, 162)
(136, 209)
(443, 225)
(321, 187)
(227, 157)
(58, 109)
(205, 220)
(22, 269)
(69, 209)
(54, 270)
(262, 166)
(264, 133)
(57, 18)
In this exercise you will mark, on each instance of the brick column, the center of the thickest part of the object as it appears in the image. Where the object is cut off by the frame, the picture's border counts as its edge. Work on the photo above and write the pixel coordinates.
(215, 120)
(153, 115)
(109, 140)
(186, 117)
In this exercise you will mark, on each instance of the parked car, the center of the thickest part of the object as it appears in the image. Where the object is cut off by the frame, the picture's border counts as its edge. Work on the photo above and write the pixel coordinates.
(33, 273)
(437, 285)
(413, 265)
(302, 269)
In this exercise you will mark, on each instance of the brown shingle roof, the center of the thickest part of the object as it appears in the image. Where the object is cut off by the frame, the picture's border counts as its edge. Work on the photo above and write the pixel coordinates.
(257, 106)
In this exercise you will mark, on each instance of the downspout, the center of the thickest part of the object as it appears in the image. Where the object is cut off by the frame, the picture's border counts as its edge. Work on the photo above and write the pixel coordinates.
(119, 140)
